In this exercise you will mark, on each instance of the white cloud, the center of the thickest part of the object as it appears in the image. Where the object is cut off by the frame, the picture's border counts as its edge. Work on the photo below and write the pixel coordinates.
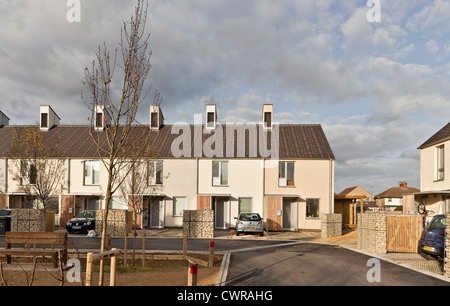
(317, 61)
(432, 47)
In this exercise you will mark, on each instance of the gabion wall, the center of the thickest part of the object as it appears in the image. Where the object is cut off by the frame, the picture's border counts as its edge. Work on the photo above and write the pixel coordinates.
(372, 236)
(29, 220)
(198, 223)
(331, 225)
(118, 223)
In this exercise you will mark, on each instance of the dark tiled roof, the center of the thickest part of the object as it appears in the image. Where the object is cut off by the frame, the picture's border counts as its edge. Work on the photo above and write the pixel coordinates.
(441, 135)
(295, 141)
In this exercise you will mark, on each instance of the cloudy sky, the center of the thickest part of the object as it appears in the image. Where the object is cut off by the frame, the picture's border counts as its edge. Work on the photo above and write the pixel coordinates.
(379, 89)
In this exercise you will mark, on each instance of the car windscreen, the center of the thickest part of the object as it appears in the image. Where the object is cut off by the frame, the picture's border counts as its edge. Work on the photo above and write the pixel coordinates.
(86, 214)
(5, 212)
(250, 217)
(438, 222)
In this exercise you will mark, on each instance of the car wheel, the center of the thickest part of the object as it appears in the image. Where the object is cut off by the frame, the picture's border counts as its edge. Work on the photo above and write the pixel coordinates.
(237, 233)
(261, 234)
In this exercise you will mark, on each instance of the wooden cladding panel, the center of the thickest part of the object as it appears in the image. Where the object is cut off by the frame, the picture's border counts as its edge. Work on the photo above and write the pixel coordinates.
(136, 202)
(67, 201)
(273, 217)
(203, 202)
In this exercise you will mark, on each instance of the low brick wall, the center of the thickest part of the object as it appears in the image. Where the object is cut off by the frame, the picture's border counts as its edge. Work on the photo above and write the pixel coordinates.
(32, 220)
(331, 225)
(198, 223)
(118, 222)
(372, 235)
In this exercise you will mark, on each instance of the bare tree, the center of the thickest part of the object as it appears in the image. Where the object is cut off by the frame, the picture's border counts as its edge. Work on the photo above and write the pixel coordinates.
(37, 164)
(145, 178)
(121, 133)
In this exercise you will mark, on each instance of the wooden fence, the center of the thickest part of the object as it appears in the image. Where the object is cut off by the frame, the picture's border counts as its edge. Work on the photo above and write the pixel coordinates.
(403, 233)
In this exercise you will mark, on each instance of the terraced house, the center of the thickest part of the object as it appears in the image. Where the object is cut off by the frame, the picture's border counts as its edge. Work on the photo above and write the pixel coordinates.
(285, 172)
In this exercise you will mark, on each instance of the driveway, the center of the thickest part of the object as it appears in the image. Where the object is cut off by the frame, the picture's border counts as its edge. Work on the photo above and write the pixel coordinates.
(315, 264)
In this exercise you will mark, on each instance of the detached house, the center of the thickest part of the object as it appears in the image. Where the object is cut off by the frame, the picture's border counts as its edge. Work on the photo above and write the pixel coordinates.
(285, 172)
(392, 198)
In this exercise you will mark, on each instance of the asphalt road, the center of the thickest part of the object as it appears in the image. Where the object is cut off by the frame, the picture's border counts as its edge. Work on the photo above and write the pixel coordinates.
(308, 264)
(81, 242)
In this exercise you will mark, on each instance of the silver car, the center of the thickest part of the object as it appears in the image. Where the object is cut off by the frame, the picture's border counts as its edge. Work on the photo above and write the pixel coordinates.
(249, 223)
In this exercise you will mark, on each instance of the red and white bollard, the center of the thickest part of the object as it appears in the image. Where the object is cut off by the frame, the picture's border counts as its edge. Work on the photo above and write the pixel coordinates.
(192, 276)
(211, 253)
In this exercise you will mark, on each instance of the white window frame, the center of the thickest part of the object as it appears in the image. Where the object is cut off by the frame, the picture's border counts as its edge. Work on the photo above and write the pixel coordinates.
(26, 172)
(220, 180)
(153, 167)
(283, 178)
(118, 202)
(307, 208)
(90, 169)
(240, 204)
(440, 163)
(178, 212)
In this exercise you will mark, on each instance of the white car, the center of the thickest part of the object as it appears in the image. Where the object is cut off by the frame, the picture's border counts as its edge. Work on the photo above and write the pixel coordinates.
(249, 223)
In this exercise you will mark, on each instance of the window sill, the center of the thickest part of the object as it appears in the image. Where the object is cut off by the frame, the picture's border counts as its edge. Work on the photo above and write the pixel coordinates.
(439, 180)
(290, 186)
(221, 185)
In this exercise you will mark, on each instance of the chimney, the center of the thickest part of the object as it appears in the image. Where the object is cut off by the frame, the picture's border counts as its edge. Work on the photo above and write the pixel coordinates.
(102, 118)
(156, 117)
(403, 185)
(4, 120)
(267, 116)
(48, 118)
(211, 116)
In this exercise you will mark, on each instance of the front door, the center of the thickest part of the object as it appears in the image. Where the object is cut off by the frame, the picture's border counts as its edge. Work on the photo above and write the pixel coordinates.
(154, 213)
(289, 214)
(220, 213)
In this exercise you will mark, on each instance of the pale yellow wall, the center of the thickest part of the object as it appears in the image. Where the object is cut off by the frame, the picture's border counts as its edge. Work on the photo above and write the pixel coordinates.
(77, 179)
(13, 186)
(313, 179)
(181, 182)
(245, 180)
(3, 175)
(428, 162)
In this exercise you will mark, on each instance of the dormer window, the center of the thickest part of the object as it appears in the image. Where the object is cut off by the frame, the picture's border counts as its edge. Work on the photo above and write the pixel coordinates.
(102, 118)
(4, 120)
(99, 120)
(267, 116)
(44, 120)
(211, 116)
(156, 117)
(49, 118)
(267, 119)
(210, 120)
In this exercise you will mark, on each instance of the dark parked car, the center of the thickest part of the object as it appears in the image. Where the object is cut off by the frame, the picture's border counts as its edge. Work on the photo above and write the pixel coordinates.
(5, 212)
(433, 237)
(82, 222)
(5, 221)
